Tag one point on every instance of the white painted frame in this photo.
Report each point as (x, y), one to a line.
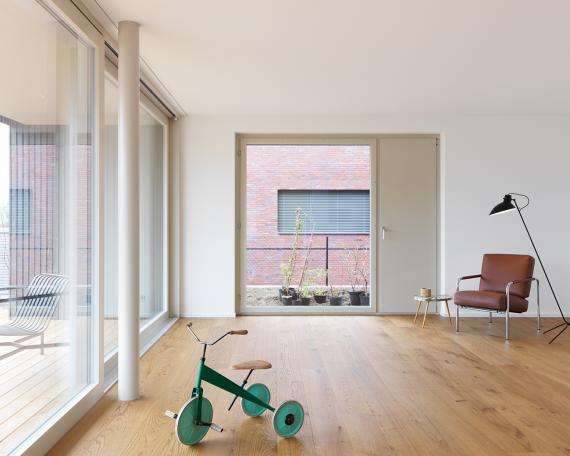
(242, 141)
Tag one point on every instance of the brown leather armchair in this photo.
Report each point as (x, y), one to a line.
(504, 286)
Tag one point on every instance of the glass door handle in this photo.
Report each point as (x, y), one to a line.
(383, 231)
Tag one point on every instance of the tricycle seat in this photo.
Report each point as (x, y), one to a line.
(251, 365)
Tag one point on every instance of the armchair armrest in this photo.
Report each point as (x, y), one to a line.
(475, 276)
(514, 282)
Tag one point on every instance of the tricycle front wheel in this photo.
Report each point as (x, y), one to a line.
(288, 419)
(187, 431)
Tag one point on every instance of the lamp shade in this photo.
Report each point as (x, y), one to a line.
(504, 206)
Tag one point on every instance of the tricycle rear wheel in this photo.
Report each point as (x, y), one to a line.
(288, 419)
(260, 391)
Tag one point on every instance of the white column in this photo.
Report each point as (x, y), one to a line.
(128, 226)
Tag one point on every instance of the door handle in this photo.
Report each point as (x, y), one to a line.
(383, 231)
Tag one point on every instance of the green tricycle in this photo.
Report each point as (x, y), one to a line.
(195, 417)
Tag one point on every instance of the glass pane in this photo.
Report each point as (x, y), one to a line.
(111, 145)
(46, 218)
(308, 225)
(151, 216)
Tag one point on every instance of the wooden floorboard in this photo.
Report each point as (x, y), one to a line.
(369, 385)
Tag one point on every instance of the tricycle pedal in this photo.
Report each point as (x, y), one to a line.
(216, 427)
(171, 414)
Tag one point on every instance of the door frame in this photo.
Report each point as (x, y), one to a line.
(242, 141)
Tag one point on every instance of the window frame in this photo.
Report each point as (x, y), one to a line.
(244, 140)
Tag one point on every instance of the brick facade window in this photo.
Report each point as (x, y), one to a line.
(20, 210)
(324, 211)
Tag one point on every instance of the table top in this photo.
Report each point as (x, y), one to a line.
(433, 298)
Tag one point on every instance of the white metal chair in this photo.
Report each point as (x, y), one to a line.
(34, 314)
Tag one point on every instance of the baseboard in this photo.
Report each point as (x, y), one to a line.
(209, 315)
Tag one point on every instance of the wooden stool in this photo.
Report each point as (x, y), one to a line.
(428, 300)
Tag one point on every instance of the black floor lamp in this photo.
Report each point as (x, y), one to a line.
(507, 205)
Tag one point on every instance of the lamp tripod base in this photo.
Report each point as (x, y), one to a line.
(565, 324)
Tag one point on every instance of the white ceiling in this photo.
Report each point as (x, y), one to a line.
(302, 57)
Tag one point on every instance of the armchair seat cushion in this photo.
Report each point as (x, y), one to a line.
(491, 300)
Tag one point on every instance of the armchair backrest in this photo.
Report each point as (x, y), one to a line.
(498, 269)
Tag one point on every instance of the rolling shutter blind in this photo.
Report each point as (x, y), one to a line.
(325, 211)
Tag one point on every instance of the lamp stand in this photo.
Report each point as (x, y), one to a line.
(565, 323)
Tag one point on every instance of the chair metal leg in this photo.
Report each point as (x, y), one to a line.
(456, 318)
(507, 317)
(537, 306)
(490, 317)
(42, 341)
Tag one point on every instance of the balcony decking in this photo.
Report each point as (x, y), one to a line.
(33, 386)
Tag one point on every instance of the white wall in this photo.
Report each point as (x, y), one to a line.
(482, 158)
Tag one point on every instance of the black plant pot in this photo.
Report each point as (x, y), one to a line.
(355, 297)
(304, 301)
(287, 300)
(335, 300)
(364, 299)
(292, 293)
(320, 299)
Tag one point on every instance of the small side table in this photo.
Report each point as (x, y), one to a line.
(428, 300)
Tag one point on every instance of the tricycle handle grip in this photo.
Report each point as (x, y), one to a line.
(239, 332)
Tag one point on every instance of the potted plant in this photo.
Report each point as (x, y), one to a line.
(306, 286)
(288, 269)
(320, 295)
(304, 296)
(365, 296)
(319, 291)
(353, 268)
(354, 295)
(287, 300)
(335, 297)
(287, 291)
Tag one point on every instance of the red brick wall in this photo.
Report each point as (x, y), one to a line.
(34, 167)
(287, 167)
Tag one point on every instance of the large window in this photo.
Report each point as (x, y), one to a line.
(111, 146)
(306, 226)
(47, 323)
(152, 155)
(151, 217)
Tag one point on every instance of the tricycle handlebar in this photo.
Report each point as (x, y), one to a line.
(239, 332)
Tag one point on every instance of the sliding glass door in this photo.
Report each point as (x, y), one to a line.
(152, 184)
(47, 156)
